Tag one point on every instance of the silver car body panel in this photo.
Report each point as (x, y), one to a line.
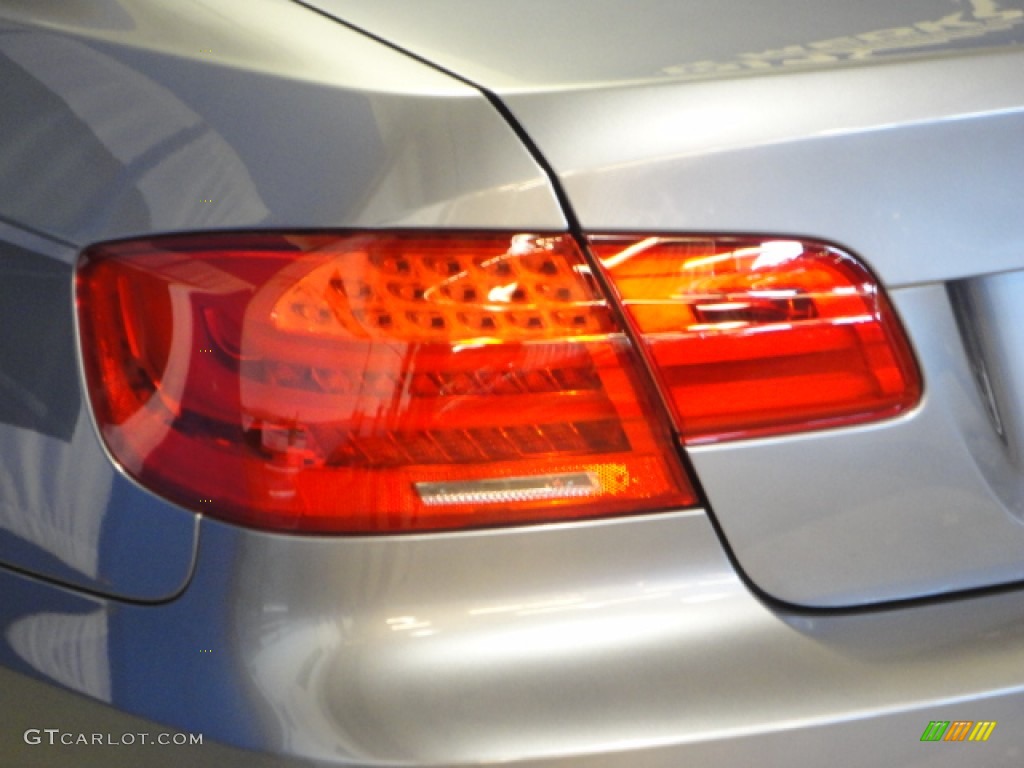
(900, 165)
(627, 642)
(914, 166)
(135, 117)
(909, 157)
(66, 512)
(635, 642)
(128, 118)
(536, 45)
(921, 505)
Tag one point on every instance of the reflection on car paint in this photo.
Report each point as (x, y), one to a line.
(986, 18)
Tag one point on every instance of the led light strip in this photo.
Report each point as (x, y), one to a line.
(568, 485)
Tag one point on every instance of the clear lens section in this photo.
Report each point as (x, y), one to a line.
(371, 382)
(564, 486)
(752, 337)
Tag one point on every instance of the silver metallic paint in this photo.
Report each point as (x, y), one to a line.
(995, 304)
(909, 156)
(616, 643)
(592, 645)
(538, 45)
(916, 167)
(202, 115)
(900, 508)
(129, 118)
(65, 511)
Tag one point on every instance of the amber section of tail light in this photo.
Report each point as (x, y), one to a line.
(751, 337)
(371, 382)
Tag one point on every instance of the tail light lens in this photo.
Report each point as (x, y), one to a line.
(750, 337)
(371, 382)
(391, 382)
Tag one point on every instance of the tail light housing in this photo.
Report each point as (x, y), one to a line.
(412, 381)
(371, 382)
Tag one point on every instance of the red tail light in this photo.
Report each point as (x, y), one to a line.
(752, 337)
(385, 382)
(371, 382)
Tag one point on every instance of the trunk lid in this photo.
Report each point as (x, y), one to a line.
(891, 130)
